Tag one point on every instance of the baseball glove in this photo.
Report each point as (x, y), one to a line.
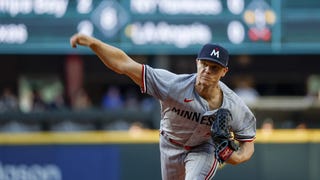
(221, 135)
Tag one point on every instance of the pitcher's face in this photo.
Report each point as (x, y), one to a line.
(209, 72)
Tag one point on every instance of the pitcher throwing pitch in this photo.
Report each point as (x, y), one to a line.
(198, 111)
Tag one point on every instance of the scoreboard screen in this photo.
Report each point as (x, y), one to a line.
(161, 26)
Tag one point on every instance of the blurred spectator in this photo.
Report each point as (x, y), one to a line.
(136, 126)
(81, 100)
(313, 87)
(136, 129)
(267, 125)
(244, 88)
(38, 104)
(132, 100)
(148, 104)
(8, 101)
(151, 105)
(112, 99)
(302, 125)
(58, 103)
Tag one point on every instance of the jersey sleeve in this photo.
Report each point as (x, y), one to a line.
(156, 82)
(245, 126)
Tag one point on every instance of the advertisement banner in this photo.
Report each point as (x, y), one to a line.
(57, 162)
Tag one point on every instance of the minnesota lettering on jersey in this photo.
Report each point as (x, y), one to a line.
(194, 116)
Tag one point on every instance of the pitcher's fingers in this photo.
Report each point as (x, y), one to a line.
(73, 41)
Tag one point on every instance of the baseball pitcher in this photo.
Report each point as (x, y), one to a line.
(203, 122)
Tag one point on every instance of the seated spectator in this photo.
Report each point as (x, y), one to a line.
(58, 103)
(302, 125)
(38, 104)
(267, 124)
(8, 101)
(131, 100)
(244, 88)
(112, 99)
(81, 100)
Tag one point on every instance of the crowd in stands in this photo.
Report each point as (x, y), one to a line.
(113, 99)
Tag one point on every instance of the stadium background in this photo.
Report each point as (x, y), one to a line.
(57, 122)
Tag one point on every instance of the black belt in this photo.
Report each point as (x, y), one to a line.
(175, 142)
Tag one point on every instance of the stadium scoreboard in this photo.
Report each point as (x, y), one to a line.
(161, 26)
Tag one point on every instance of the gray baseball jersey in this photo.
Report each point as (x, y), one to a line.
(185, 116)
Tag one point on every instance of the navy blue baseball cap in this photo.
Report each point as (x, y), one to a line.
(215, 53)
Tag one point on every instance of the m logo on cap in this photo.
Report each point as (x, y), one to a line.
(215, 53)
